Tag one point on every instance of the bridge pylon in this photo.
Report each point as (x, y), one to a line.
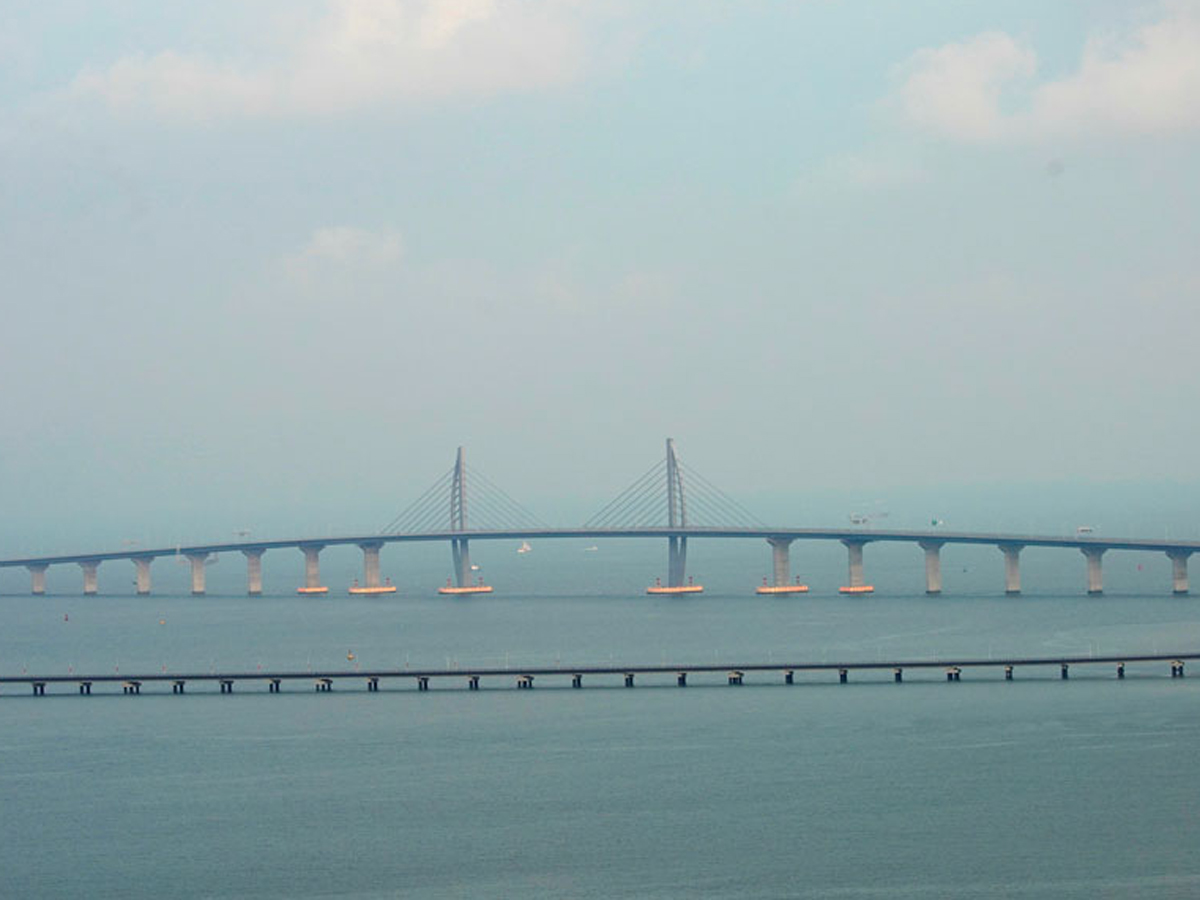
(490, 508)
(459, 547)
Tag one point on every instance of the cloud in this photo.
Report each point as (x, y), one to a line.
(360, 53)
(1146, 82)
(342, 249)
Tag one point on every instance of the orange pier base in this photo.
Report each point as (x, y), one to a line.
(858, 589)
(382, 589)
(781, 589)
(469, 589)
(312, 590)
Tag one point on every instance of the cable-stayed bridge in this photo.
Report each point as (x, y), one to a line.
(670, 502)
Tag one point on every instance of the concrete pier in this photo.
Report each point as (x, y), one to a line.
(460, 551)
(933, 566)
(142, 563)
(37, 575)
(90, 583)
(681, 679)
(253, 572)
(676, 561)
(1179, 570)
(312, 566)
(857, 583)
(198, 561)
(1012, 568)
(780, 562)
(628, 679)
(1095, 573)
(371, 563)
(577, 680)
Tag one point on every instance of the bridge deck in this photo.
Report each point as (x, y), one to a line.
(856, 535)
(561, 670)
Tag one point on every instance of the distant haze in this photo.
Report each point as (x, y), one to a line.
(265, 266)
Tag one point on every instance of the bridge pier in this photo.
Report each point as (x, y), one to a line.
(143, 573)
(473, 682)
(577, 680)
(460, 550)
(1179, 570)
(253, 572)
(780, 562)
(198, 561)
(1012, 568)
(857, 583)
(676, 561)
(37, 575)
(681, 679)
(90, 584)
(1095, 574)
(371, 563)
(933, 566)
(312, 569)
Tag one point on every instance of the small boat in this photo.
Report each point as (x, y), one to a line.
(524, 548)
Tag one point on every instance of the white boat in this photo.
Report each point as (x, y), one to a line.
(524, 548)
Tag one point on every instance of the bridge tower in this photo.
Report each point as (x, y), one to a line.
(676, 518)
(458, 522)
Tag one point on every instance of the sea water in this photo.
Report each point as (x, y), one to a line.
(983, 788)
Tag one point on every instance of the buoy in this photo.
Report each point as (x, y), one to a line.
(162, 621)
(350, 656)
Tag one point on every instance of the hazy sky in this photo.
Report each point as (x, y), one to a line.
(271, 262)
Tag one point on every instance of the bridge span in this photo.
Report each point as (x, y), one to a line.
(670, 502)
(780, 539)
(323, 680)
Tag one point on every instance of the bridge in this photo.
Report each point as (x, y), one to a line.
(669, 502)
(524, 677)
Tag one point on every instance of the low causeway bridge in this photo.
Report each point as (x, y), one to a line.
(656, 506)
(523, 678)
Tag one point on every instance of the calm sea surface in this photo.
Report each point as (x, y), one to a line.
(982, 789)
